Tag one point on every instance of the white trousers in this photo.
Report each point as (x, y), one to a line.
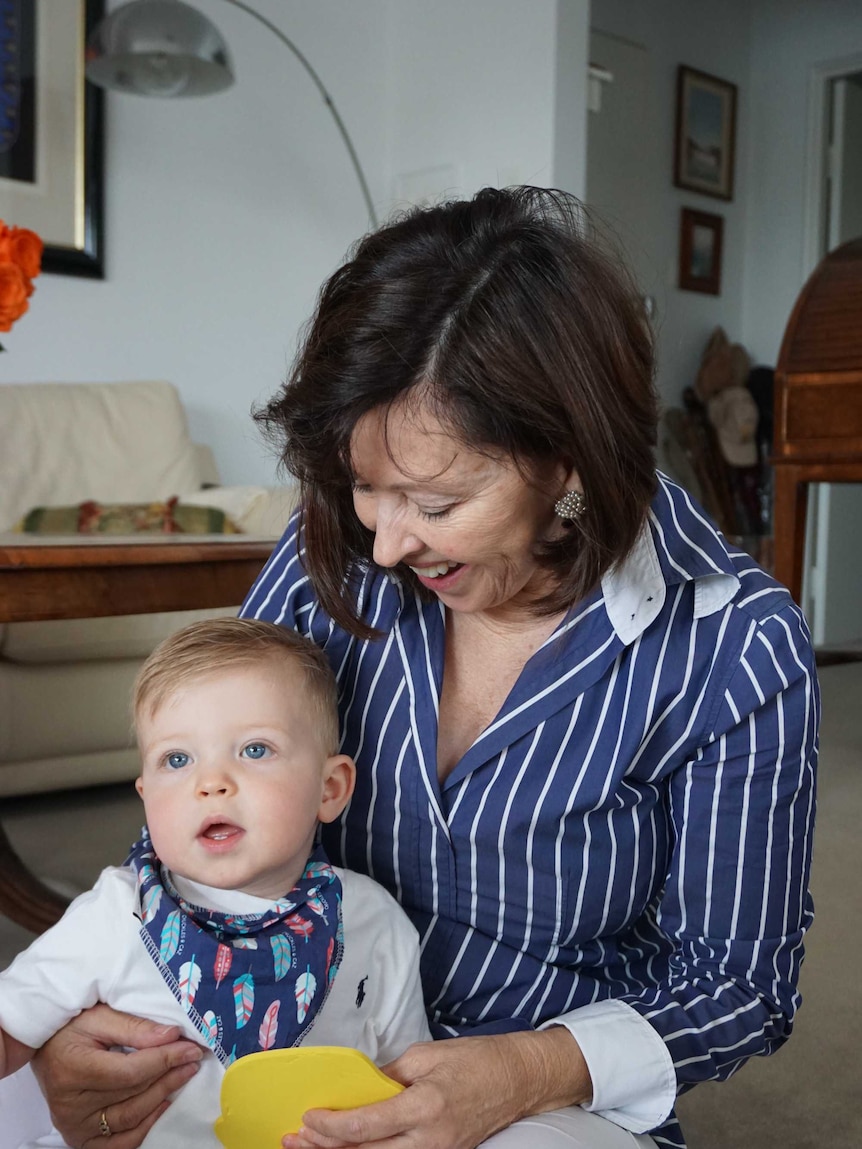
(571, 1128)
(23, 1111)
(24, 1116)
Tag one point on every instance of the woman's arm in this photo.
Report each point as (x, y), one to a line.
(736, 900)
(460, 1092)
(735, 904)
(82, 1076)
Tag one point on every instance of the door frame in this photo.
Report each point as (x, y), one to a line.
(814, 244)
(820, 77)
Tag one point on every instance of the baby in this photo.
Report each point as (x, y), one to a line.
(226, 919)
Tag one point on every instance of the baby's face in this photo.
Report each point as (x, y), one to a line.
(235, 777)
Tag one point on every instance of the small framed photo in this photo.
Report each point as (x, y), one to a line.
(700, 251)
(705, 133)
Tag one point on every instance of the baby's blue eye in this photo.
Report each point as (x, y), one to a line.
(256, 750)
(177, 760)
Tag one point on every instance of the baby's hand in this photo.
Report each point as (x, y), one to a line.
(13, 1054)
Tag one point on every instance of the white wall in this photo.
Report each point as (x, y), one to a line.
(225, 214)
(712, 38)
(570, 113)
(473, 89)
(788, 39)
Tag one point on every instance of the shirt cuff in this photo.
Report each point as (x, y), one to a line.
(634, 1081)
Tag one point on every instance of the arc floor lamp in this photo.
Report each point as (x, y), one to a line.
(167, 48)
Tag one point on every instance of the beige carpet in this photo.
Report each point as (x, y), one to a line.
(807, 1096)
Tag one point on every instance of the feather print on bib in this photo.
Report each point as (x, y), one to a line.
(169, 940)
(330, 965)
(210, 1028)
(299, 925)
(222, 963)
(243, 998)
(306, 984)
(189, 981)
(282, 955)
(231, 972)
(269, 1026)
(318, 905)
(150, 903)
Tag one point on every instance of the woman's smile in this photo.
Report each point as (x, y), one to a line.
(438, 576)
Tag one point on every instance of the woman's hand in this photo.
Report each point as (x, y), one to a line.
(458, 1093)
(83, 1078)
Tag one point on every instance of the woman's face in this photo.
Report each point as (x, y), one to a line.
(466, 524)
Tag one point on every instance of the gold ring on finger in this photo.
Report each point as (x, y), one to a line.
(104, 1127)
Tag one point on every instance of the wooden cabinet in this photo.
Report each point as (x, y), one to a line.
(818, 401)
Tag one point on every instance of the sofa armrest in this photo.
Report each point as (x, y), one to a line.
(259, 511)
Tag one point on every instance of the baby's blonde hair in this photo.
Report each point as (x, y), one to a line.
(215, 644)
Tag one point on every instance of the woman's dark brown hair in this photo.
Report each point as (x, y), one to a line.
(527, 339)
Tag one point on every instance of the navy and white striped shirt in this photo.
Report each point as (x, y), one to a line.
(635, 825)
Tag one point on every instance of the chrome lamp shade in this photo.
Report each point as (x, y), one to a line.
(159, 48)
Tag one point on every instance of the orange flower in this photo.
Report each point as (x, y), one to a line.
(13, 294)
(25, 249)
(20, 263)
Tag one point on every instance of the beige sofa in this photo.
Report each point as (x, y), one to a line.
(64, 685)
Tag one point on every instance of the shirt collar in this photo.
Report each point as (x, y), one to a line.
(224, 901)
(677, 544)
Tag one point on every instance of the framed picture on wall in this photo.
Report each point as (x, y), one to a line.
(705, 133)
(700, 251)
(51, 131)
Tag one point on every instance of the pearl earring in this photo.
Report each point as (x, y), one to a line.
(571, 506)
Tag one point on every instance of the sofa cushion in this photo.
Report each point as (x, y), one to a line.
(66, 771)
(63, 443)
(89, 639)
(159, 518)
(49, 710)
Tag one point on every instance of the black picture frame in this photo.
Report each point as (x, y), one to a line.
(76, 248)
(700, 242)
(705, 139)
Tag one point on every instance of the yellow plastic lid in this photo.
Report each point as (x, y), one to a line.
(264, 1095)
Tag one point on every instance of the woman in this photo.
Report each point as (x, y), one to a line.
(585, 731)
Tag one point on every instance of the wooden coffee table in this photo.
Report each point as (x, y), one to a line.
(95, 577)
